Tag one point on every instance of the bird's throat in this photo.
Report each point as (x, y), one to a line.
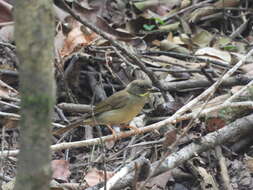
(144, 94)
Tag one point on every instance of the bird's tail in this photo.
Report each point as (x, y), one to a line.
(73, 125)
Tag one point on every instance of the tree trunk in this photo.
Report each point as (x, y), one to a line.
(34, 36)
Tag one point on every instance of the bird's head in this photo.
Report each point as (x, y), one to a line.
(140, 87)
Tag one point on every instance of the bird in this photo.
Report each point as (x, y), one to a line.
(119, 108)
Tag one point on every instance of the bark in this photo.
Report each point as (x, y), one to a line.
(34, 35)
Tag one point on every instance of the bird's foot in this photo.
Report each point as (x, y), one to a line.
(136, 129)
(113, 132)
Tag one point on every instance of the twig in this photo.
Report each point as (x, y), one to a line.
(122, 135)
(235, 130)
(16, 116)
(124, 171)
(13, 90)
(5, 114)
(117, 45)
(207, 93)
(70, 107)
(205, 112)
(240, 29)
(6, 23)
(239, 92)
(202, 175)
(61, 114)
(124, 59)
(9, 104)
(181, 70)
(223, 168)
(187, 9)
(188, 84)
(186, 56)
(149, 128)
(8, 44)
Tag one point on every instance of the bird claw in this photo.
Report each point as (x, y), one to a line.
(135, 129)
(113, 133)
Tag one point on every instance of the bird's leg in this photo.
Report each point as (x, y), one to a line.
(136, 129)
(113, 132)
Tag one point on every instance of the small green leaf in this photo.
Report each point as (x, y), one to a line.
(230, 48)
(159, 21)
(148, 27)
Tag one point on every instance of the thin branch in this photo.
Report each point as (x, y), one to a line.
(240, 92)
(116, 44)
(235, 130)
(207, 93)
(194, 6)
(148, 128)
(122, 135)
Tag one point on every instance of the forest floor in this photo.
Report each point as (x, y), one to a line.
(194, 133)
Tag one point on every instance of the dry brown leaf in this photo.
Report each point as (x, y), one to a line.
(95, 176)
(249, 163)
(167, 45)
(5, 11)
(89, 14)
(202, 39)
(95, 16)
(76, 39)
(208, 10)
(159, 182)
(60, 169)
(170, 137)
(201, 12)
(10, 123)
(117, 34)
(248, 69)
(212, 53)
(213, 124)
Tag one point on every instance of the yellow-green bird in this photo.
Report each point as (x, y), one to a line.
(119, 108)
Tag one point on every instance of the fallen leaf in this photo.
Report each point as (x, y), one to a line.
(170, 46)
(160, 181)
(202, 39)
(249, 163)
(170, 137)
(76, 39)
(213, 124)
(213, 53)
(95, 176)
(5, 12)
(60, 169)
(248, 69)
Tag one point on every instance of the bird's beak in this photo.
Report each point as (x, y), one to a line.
(154, 89)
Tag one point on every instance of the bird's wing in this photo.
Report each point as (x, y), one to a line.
(116, 101)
